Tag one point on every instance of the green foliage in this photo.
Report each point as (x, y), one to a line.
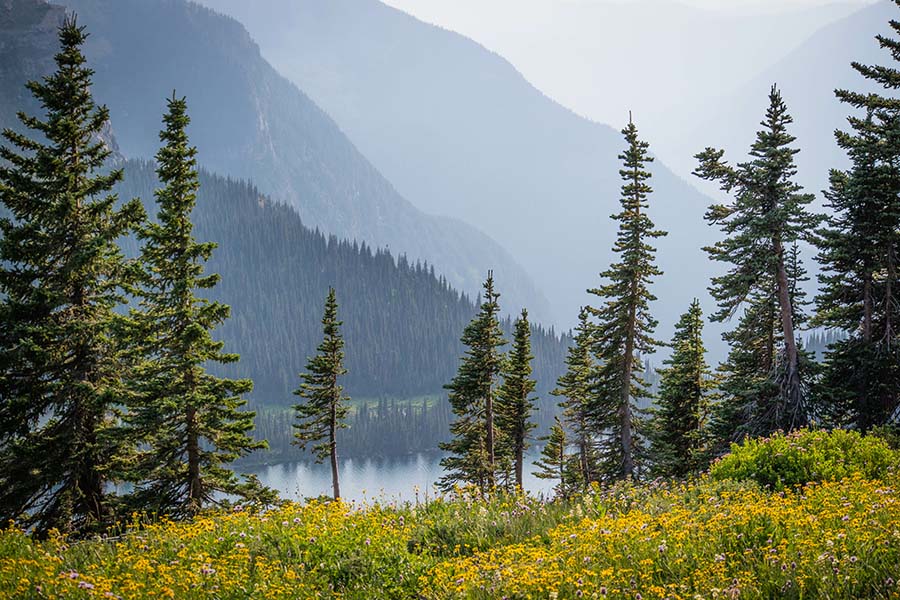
(786, 460)
(325, 406)
(625, 326)
(859, 251)
(859, 384)
(557, 463)
(579, 400)
(472, 394)
(402, 321)
(515, 403)
(767, 217)
(61, 277)
(188, 423)
(678, 428)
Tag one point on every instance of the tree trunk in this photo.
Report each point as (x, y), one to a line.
(792, 387)
(583, 452)
(770, 342)
(520, 457)
(489, 437)
(626, 434)
(332, 438)
(889, 299)
(562, 470)
(195, 483)
(867, 309)
(89, 483)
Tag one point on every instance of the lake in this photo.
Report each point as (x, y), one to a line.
(372, 478)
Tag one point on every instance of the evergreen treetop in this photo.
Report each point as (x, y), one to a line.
(767, 216)
(678, 428)
(325, 407)
(624, 328)
(515, 402)
(472, 394)
(556, 462)
(188, 422)
(575, 387)
(61, 276)
(768, 213)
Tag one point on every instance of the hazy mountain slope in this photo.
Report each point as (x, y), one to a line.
(249, 122)
(401, 323)
(27, 43)
(660, 58)
(461, 133)
(807, 78)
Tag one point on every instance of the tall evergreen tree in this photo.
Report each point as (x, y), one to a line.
(556, 462)
(768, 215)
(579, 400)
(60, 279)
(472, 394)
(859, 250)
(625, 328)
(188, 422)
(678, 427)
(515, 403)
(746, 378)
(325, 408)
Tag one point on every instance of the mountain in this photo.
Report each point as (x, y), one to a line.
(461, 133)
(251, 123)
(807, 77)
(27, 44)
(401, 322)
(662, 59)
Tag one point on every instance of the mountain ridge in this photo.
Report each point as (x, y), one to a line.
(250, 122)
(461, 132)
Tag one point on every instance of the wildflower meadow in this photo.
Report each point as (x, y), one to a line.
(713, 537)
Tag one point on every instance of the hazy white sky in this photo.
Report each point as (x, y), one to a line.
(433, 10)
(692, 50)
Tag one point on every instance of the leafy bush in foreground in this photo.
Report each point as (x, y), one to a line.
(786, 460)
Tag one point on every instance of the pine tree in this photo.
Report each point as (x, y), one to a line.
(579, 401)
(556, 463)
(515, 403)
(625, 328)
(188, 422)
(61, 276)
(859, 249)
(768, 215)
(472, 393)
(678, 427)
(325, 408)
(747, 381)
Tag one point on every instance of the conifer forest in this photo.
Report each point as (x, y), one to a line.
(257, 259)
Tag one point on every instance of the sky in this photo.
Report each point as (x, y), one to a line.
(668, 61)
(435, 11)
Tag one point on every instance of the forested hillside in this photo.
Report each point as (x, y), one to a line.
(401, 322)
(251, 123)
(460, 132)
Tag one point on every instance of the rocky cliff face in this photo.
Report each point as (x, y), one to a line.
(27, 45)
(249, 122)
(28, 42)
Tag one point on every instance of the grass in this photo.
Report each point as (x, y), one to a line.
(682, 540)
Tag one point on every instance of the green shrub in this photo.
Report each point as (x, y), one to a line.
(783, 461)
